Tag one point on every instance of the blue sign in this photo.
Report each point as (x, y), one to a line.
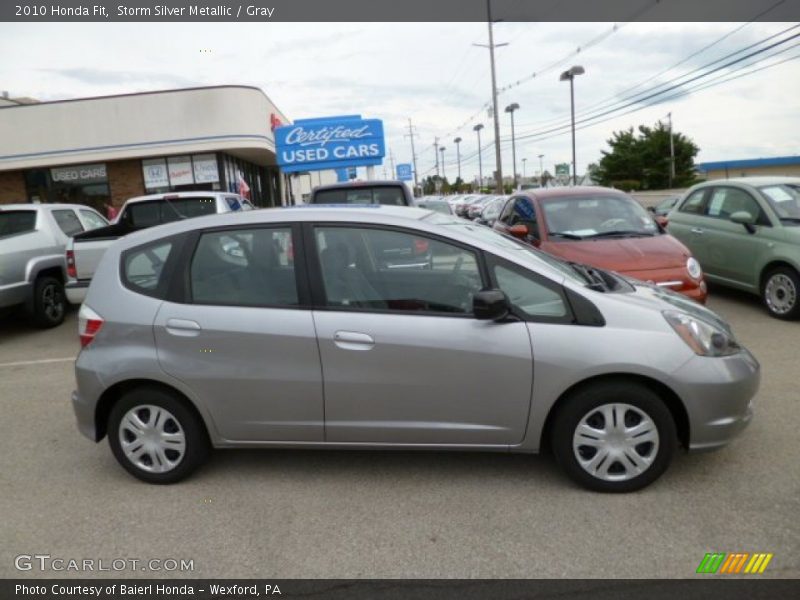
(342, 176)
(329, 143)
(404, 172)
(352, 172)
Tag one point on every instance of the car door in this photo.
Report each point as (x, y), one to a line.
(732, 252)
(686, 223)
(403, 359)
(242, 337)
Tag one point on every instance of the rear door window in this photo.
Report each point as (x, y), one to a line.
(17, 221)
(143, 268)
(68, 222)
(93, 220)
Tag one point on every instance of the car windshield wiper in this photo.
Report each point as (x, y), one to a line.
(565, 235)
(593, 278)
(621, 232)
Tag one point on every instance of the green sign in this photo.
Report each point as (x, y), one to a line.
(562, 169)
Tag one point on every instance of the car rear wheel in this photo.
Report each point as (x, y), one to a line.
(155, 437)
(614, 436)
(780, 293)
(49, 303)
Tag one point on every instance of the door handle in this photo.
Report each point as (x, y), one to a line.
(183, 327)
(698, 231)
(352, 340)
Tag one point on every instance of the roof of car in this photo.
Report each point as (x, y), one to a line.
(755, 181)
(577, 190)
(178, 196)
(44, 206)
(352, 184)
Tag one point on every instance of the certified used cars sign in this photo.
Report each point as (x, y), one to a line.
(329, 143)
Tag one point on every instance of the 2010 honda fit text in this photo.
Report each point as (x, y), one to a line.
(315, 328)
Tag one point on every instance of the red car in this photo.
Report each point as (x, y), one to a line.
(604, 228)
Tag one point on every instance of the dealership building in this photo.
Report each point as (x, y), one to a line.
(104, 150)
(750, 167)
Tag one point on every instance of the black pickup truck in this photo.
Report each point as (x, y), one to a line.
(393, 193)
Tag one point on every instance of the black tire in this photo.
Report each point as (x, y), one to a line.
(580, 405)
(780, 293)
(49, 303)
(197, 446)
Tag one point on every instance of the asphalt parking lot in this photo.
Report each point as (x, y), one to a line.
(393, 514)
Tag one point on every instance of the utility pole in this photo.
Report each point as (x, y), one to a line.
(671, 153)
(391, 164)
(436, 147)
(444, 175)
(492, 46)
(413, 153)
(457, 142)
(477, 129)
(541, 170)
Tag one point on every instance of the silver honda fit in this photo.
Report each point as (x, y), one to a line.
(380, 327)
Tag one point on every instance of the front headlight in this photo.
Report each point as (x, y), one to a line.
(694, 268)
(702, 337)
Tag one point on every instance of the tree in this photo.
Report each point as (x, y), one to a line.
(643, 161)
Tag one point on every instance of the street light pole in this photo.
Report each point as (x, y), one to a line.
(524, 160)
(442, 149)
(569, 75)
(478, 128)
(436, 154)
(457, 141)
(541, 171)
(510, 109)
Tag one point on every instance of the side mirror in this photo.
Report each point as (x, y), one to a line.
(519, 231)
(490, 305)
(742, 217)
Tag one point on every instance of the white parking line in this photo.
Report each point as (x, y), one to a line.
(43, 361)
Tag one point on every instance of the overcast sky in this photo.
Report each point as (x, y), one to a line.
(432, 74)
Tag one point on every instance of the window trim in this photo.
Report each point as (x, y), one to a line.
(314, 268)
(180, 291)
(568, 318)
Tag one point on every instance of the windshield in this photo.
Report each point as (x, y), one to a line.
(362, 195)
(437, 206)
(784, 199)
(578, 217)
(527, 254)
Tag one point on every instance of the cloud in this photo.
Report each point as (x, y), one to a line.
(104, 77)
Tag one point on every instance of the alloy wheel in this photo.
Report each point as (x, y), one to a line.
(52, 302)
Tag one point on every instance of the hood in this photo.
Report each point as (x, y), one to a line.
(649, 295)
(623, 255)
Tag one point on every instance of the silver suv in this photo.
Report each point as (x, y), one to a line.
(295, 328)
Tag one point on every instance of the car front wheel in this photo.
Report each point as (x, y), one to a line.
(155, 437)
(614, 436)
(780, 293)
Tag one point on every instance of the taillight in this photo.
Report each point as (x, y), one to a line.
(89, 323)
(420, 246)
(71, 270)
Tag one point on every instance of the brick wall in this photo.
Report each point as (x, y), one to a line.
(126, 180)
(12, 187)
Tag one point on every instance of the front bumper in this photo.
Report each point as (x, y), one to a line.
(675, 279)
(718, 395)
